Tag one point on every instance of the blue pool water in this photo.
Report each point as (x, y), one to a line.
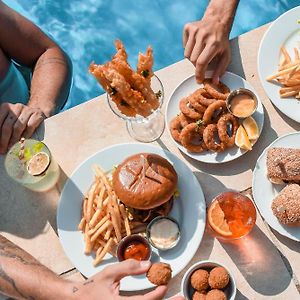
(86, 29)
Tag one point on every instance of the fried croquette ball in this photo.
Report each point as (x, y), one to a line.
(218, 278)
(199, 280)
(159, 273)
(216, 295)
(199, 295)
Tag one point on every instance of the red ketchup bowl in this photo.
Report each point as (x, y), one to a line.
(134, 246)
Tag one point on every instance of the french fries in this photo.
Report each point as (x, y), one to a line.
(288, 74)
(104, 219)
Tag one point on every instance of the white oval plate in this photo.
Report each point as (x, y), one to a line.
(189, 209)
(264, 191)
(284, 31)
(187, 87)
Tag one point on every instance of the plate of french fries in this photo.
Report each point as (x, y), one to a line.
(279, 63)
(91, 220)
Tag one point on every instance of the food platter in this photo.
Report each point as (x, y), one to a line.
(283, 32)
(189, 210)
(188, 86)
(264, 191)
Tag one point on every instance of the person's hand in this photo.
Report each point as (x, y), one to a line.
(16, 121)
(204, 41)
(106, 284)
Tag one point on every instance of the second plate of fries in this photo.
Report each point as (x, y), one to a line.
(279, 63)
(92, 220)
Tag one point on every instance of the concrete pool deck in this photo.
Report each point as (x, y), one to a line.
(265, 264)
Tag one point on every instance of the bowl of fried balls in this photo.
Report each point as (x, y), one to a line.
(207, 280)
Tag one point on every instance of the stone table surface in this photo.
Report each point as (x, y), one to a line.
(265, 264)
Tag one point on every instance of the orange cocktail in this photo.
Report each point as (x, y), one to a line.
(231, 215)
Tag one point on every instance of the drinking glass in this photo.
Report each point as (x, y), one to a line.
(236, 211)
(16, 165)
(144, 129)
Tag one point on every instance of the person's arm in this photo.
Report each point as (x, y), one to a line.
(23, 277)
(208, 39)
(26, 44)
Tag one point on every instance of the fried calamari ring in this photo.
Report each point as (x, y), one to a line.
(213, 111)
(227, 128)
(192, 138)
(187, 109)
(205, 98)
(184, 120)
(176, 128)
(194, 100)
(210, 134)
(218, 91)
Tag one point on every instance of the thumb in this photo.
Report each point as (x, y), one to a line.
(125, 268)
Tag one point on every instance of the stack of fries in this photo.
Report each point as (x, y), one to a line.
(104, 219)
(288, 74)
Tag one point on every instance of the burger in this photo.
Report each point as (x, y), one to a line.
(145, 183)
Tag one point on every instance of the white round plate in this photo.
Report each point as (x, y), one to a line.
(284, 31)
(189, 209)
(187, 87)
(264, 191)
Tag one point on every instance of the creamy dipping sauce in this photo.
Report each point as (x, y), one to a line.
(164, 233)
(242, 105)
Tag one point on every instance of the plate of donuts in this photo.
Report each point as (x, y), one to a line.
(199, 122)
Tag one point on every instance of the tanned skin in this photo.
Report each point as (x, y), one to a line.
(26, 44)
(23, 277)
(208, 38)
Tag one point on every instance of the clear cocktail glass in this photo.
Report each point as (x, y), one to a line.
(144, 129)
(30, 163)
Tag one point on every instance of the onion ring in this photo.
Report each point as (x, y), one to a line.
(192, 138)
(188, 110)
(209, 135)
(219, 91)
(222, 125)
(176, 128)
(213, 111)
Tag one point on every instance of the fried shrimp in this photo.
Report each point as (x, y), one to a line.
(145, 64)
(227, 128)
(137, 82)
(187, 109)
(97, 71)
(213, 111)
(192, 138)
(121, 52)
(211, 138)
(132, 97)
(219, 91)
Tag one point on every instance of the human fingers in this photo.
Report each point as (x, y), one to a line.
(221, 67)
(203, 60)
(198, 48)
(190, 42)
(36, 118)
(125, 268)
(20, 125)
(156, 294)
(4, 109)
(177, 298)
(7, 127)
(185, 35)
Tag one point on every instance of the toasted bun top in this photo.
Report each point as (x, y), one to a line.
(144, 181)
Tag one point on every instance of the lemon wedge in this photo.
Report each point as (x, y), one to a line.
(242, 140)
(38, 164)
(251, 128)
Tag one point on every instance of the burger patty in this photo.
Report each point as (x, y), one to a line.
(148, 215)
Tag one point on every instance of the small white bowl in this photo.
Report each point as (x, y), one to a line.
(187, 290)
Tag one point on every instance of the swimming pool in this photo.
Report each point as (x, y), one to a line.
(86, 29)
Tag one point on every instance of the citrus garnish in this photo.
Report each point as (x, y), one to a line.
(242, 140)
(38, 164)
(217, 221)
(251, 128)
